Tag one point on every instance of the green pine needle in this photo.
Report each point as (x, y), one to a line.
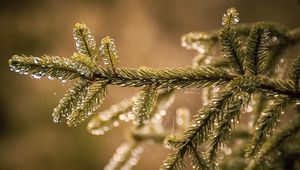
(224, 128)
(271, 148)
(94, 96)
(198, 159)
(109, 53)
(232, 49)
(257, 49)
(266, 123)
(198, 132)
(144, 105)
(85, 42)
(52, 67)
(166, 78)
(71, 99)
(295, 73)
(174, 161)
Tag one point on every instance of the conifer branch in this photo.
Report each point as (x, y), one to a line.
(144, 105)
(164, 100)
(266, 123)
(222, 132)
(152, 136)
(230, 17)
(172, 142)
(174, 161)
(71, 99)
(166, 78)
(265, 43)
(199, 131)
(107, 119)
(94, 96)
(198, 159)
(109, 53)
(126, 156)
(260, 105)
(80, 66)
(53, 67)
(294, 35)
(286, 38)
(295, 74)
(111, 117)
(231, 48)
(182, 118)
(272, 146)
(85, 42)
(277, 87)
(257, 51)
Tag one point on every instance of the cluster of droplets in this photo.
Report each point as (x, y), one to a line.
(230, 17)
(249, 109)
(195, 40)
(106, 120)
(102, 127)
(144, 106)
(280, 67)
(226, 150)
(126, 156)
(85, 42)
(214, 91)
(67, 103)
(182, 118)
(108, 51)
(54, 67)
(171, 142)
(205, 96)
(82, 64)
(58, 115)
(18, 65)
(162, 107)
(23, 65)
(137, 109)
(90, 103)
(82, 69)
(208, 93)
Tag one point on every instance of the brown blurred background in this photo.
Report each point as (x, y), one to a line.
(146, 32)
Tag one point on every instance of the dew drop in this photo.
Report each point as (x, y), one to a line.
(249, 109)
(230, 17)
(250, 124)
(116, 123)
(274, 38)
(281, 60)
(36, 76)
(227, 151)
(50, 78)
(36, 60)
